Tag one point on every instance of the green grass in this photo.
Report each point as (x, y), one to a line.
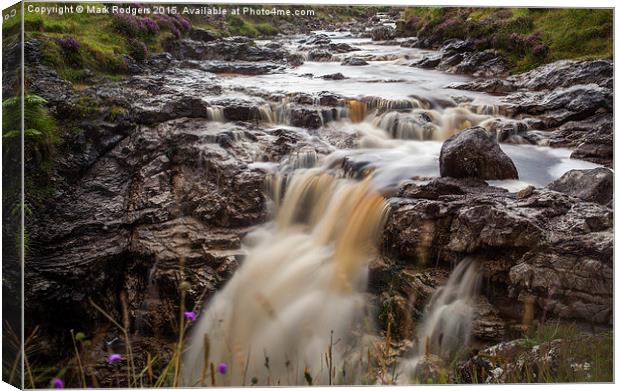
(567, 33)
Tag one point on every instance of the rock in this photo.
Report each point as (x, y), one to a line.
(595, 185)
(555, 248)
(493, 86)
(341, 47)
(317, 39)
(334, 76)
(473, 153)
(236, 67)
(203, 35)
(565, 73)
(456, 46)
(295, 59)
(319, 55)
(488, 63)
(429, 62)
(354, 61)
(225, 49)
(383, 33)
(562, 104)
(306, 118)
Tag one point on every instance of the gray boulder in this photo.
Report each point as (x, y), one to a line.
(474, 153)
(382, 33)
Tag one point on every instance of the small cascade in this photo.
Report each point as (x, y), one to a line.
(296, 305)
(356, 110)
(384, 104)
(215, 113)
(415, 126)
(151, 299)
(446, 327)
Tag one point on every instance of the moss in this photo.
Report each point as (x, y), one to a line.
(238, 26)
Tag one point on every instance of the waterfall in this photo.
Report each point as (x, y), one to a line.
(215, 113)
(356, 110)
(292, 309)
(446, 327)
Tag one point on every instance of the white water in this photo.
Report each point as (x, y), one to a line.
(446, 326)
(299, 293)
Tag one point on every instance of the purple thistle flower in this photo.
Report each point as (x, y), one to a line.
(115, 357)
(222, 367)
(58, 383)
(191, 315)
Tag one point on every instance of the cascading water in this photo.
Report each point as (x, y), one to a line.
(292, 309)
(446, 327)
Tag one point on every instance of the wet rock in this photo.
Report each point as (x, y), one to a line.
(295, 59)
(341, 48)
(241, 68)
(594, 185)
(429, 62)
(473, 153)
(46, 83)
(203, 35)
(563, 104)
(555, 248)
(334, 76)
(354, 61)
(488, 63)
(494, 86)
(319, 55)
(225, 49)
(383, 33)
(317, 39)
(306, 118)
(456, 46)
(565, 73)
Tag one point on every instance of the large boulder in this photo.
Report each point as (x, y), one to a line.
(383, 33)
(596, 185)
(319, 55)
(474, 153)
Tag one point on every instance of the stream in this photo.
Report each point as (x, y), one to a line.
(295, 312)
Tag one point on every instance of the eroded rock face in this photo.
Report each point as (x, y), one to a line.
(540, 247)
(594, 185)
(473, 153)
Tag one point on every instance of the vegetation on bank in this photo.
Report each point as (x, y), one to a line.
(528, 37)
